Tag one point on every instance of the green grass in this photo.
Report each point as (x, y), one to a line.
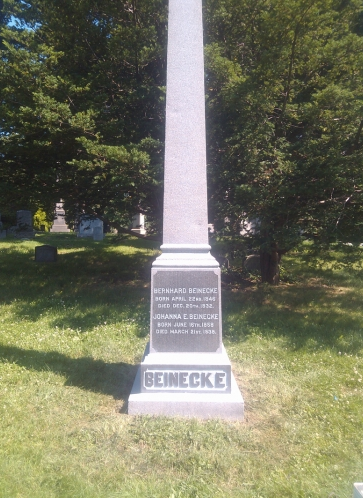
(72, 333)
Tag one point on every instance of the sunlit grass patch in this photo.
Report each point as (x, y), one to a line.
(73, 332)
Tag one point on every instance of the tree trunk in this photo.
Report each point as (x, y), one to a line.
(270, 266)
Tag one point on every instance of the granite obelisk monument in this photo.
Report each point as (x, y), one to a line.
(185, 370)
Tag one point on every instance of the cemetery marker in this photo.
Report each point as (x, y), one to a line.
(185, 370)
(59, 224)
(46, 254)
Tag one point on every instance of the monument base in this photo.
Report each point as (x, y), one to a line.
(200, 389)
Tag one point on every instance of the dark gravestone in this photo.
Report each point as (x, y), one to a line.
(24, 220)
(46, 254)
(23, 228)
(2, 232)
(252, 263)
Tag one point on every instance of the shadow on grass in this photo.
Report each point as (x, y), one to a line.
(113, 379)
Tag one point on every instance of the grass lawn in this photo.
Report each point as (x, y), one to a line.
(73, 332)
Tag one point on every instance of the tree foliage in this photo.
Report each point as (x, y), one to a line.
(285, 118)
(82, 87)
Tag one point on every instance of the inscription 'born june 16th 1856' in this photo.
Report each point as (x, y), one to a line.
(185, 311)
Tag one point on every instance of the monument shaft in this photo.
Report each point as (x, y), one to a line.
(185, 218)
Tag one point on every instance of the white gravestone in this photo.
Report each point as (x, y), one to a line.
(87, 225)
(185, 370)
(358, 490)
(138, 224)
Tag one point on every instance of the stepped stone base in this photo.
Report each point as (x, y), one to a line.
(198, 394)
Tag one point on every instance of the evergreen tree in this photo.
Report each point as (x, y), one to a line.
(284, 83)
(82, 86)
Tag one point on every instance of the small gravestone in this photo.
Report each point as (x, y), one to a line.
(97, 233)
(46, 254)
(138, 224)
(87, 224)
(358, 490)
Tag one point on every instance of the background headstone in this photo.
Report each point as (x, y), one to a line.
(252, 263)
(97, 233)
(59, 224)
(87, 224)
(46, 254)
(138, 224)
(358, 490)
(24, 219)
(24, 225)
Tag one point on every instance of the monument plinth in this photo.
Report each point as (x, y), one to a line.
(185, 370)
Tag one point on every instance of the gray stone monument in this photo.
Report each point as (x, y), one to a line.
(358, 490)
(185, 370)
(24, 225)
(59, 224)
(46, 254)
(24, 219)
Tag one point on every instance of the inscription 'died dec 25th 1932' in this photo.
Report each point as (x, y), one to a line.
(185, 311)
